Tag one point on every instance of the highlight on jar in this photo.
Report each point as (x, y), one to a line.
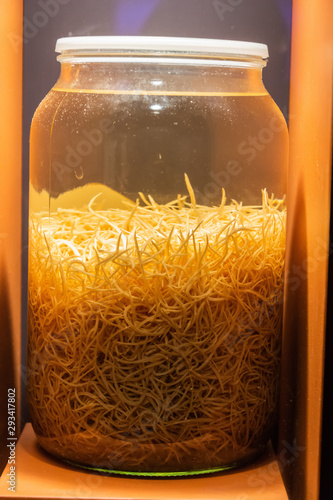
(156, 256)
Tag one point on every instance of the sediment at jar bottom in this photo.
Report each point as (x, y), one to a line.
(96, 451)
(155, 332)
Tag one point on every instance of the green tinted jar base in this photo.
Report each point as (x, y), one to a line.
(145, 461)
(172, 474)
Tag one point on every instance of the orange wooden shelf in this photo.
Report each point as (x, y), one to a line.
(40, 476)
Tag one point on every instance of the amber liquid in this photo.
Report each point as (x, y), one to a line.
(116, 145)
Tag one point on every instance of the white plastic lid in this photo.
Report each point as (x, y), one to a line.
(162, 44)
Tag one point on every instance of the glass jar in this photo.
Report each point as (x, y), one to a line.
(157, 244)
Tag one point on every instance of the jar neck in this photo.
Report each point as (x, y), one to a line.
(161, 75)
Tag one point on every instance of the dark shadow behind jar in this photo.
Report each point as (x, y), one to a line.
(157, 238)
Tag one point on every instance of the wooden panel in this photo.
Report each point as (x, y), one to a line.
(307, 252)
(11, 25)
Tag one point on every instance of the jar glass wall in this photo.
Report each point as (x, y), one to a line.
(157, 240)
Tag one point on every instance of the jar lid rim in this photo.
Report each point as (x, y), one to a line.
(162, 44)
